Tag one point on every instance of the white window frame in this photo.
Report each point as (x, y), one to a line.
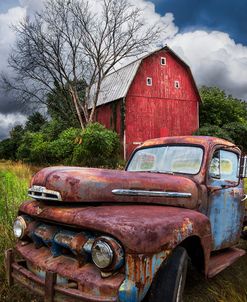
(163, 61)
(149, 81)
(177, 84)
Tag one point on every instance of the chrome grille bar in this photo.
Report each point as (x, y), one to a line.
(127, 192)
(41, 193)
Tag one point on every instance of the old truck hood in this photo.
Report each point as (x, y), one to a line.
(142, 229)
(87, 185)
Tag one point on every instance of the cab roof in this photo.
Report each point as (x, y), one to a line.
(205, 141)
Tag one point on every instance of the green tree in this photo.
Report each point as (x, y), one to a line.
(35, 122)
(213, 130)
(220, 109)
(223, 116)
(7, 149)
(238, 133)
(34, 149)
(60, 105)
(52, 129)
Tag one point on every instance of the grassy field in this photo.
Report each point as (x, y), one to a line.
(229, 286)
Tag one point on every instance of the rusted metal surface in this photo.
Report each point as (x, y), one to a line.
(142, 229)
(90, 284)
(50, 281)
(139, 273)
(9, 259)
(59, 239)
(220, 261)
(96, 185)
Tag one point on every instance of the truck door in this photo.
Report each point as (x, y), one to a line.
(225, 208)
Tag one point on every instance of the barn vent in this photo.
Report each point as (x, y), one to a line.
(149, 81)
(162, 61)
(176, 84)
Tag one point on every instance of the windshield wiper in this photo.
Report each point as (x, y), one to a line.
(160, 172)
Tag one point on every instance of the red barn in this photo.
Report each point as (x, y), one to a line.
(151, 97)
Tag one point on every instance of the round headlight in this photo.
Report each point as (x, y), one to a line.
(19, 227)
(102, 254)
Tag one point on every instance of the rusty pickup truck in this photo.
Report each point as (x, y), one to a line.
(101, 235)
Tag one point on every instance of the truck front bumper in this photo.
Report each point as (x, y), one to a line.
(60, 278)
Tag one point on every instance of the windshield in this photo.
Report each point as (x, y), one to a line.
(167, 159)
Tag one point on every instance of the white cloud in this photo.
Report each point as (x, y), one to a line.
(31, 6)
(8, 121)
(7, 36)
(165, 22)
(215, 60)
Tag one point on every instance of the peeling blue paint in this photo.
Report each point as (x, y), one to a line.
(226, 216)
(139, 271)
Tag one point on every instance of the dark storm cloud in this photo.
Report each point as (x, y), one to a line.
(8, 104)
(224, 15)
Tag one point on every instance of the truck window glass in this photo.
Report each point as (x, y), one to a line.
(174, 159)
(228, 165)
(224, 166)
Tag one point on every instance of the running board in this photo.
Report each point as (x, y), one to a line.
(218, 262)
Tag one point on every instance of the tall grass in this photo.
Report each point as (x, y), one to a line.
(14, 180)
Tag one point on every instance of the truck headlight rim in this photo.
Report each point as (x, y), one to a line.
(102, 253)
(19, 227)
(115, 254)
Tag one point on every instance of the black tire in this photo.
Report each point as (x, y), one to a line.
(168, 284)
(244, 232)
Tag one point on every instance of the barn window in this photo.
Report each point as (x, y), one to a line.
(176, 84)
(162, 61)
(149, 81)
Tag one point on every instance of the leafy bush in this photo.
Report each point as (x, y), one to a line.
(52, 129)
(34, 149)
(97, 147)
(234, 132)
(212, 130)
(62, 148)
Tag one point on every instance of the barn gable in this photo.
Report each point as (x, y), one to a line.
(116, 85)
(152, 97)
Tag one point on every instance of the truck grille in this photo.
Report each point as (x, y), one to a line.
(41, 193)
(58, 240)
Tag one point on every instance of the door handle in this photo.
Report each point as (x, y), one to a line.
(244, 198)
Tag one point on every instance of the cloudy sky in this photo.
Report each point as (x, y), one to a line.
(211, 36)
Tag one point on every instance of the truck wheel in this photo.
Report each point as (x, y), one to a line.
(169, 282)
(244, 233)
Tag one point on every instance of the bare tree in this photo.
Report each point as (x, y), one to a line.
(69, 41)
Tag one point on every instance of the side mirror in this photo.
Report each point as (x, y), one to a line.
(243, 167)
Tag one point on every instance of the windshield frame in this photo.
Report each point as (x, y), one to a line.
(168, 145)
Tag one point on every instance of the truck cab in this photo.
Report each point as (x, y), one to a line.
(109, 235)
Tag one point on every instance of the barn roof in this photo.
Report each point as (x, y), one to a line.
(116, 84)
